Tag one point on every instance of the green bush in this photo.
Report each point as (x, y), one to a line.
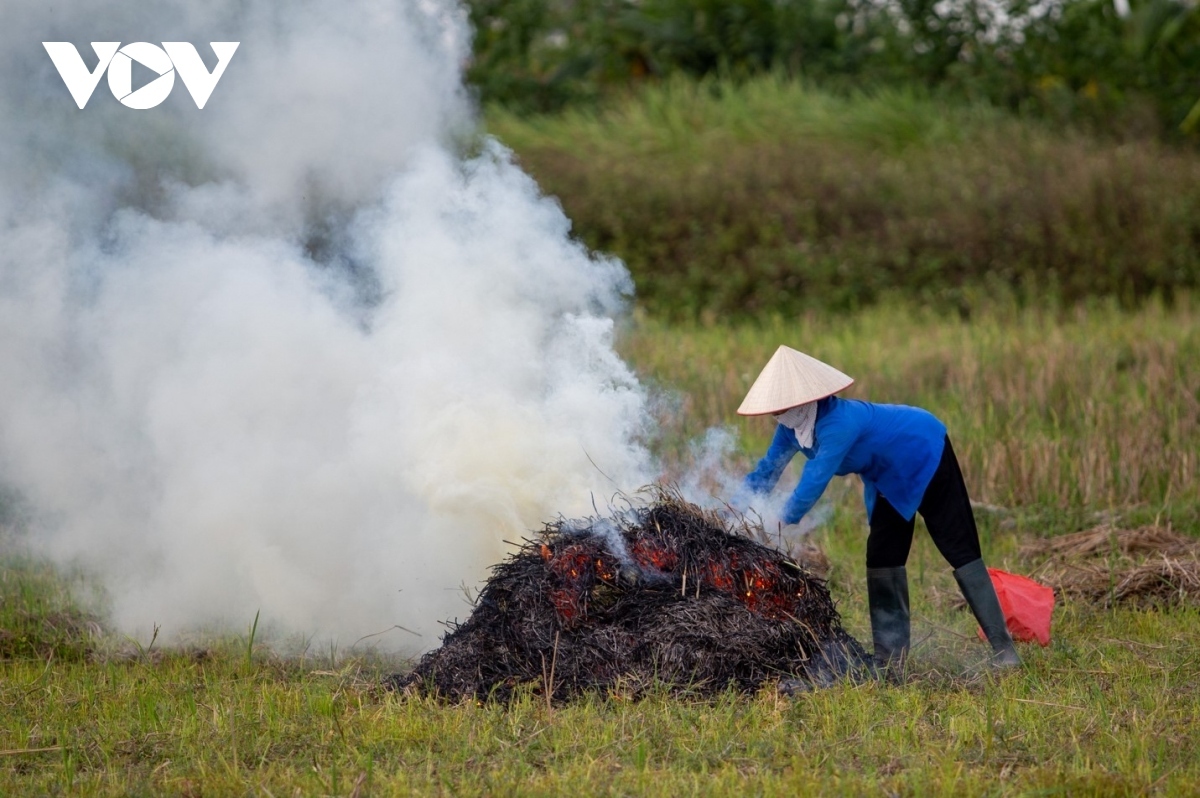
(767, 197)
(1076, 61)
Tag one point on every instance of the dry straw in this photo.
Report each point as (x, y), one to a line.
(1151, 564)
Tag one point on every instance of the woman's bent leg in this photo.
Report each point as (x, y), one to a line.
(946, 509)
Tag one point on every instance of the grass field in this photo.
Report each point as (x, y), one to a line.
(736, 200)
(1062, 420)
(1089, 409)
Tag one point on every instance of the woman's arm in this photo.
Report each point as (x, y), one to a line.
(833, 441)
(763, 478)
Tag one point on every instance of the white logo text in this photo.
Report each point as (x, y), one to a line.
(164, 61)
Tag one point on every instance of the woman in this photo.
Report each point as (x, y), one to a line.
(907, 466)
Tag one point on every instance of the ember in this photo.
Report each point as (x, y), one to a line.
(688, 602)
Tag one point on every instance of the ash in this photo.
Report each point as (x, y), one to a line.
(682, 599)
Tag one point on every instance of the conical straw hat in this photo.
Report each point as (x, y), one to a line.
(791, 378)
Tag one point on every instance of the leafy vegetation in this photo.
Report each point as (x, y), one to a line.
(1127, 68)
(732, 200)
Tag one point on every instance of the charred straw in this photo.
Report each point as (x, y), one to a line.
(667, 594)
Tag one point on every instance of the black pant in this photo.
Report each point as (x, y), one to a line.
(946, 509)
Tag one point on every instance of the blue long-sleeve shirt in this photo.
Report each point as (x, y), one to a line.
(894, 448)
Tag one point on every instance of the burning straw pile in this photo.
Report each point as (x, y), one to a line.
(667, 594)
(1149, 565)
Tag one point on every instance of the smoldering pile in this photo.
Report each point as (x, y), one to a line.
(666, 594)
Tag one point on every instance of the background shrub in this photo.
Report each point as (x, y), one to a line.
(767, 197)
(1067, 60)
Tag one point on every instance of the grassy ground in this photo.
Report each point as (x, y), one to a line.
(1061, 418)
(1086, 410)
(1109, 710)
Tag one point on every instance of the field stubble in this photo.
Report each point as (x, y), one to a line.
(1108, 709)
(1061, 420)
(1090, 410)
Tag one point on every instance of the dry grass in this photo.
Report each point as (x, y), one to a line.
(1106, 565)
(1105, 540)
(1158, 580)
(1091, 409)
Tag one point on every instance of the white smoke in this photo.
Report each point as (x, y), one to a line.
(293, 353)
(709, 482)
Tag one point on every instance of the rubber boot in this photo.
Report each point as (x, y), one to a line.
(980, 593)
(887, 598)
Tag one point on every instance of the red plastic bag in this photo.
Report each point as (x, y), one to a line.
(1027, 606)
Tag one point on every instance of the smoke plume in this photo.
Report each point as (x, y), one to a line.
(314, 350)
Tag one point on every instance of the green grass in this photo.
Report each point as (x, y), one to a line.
(1100, 397)
(39, 616)
(1108, 709)
(734, 200)
(681, 119)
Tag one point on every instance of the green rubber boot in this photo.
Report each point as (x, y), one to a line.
(980, 593)
(887, 598)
